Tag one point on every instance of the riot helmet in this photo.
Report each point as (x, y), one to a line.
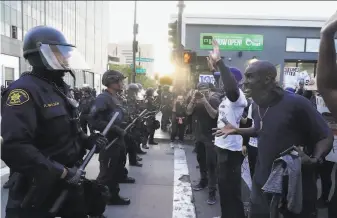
(133, 87)
(166, 88)
(139, 86)
(113, 77)
(149, 92)
(47, 47)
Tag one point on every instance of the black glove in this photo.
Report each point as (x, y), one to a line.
(74, 176)
(121, 132)
(99, 140)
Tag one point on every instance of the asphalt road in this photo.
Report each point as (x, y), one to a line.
(155, 188)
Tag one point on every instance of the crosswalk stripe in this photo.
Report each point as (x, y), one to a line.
(182, 191)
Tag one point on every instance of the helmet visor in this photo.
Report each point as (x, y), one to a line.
(61, 57)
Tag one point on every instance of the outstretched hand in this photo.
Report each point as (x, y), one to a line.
(225, 131)
(214, 55)
(330, 27)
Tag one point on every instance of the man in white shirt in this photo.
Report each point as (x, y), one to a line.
(229, 150)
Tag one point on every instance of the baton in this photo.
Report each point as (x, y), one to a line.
(56, 206)
(126, 128)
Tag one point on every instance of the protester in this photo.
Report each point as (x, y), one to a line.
(327, 81)
(178, 120)
(229, 150)
(203, 106)
(281, 120)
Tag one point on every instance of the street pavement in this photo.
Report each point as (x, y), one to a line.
(162, 188)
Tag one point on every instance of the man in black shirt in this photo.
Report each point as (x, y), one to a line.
(281, 120)
(204, 106)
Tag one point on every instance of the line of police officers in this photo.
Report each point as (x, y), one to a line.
(44, 144)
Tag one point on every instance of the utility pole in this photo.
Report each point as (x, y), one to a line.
(134, 43)
(181, 7)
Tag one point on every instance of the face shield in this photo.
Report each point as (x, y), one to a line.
(62, 57)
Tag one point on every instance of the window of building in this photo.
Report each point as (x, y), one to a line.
(7, 15)
(9, 73)
(295, 44)
(14, 32)
(312, 45)
(14, 17)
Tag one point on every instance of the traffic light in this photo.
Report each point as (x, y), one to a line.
(173, 28)
(189, 57)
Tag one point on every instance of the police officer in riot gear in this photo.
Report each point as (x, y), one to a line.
(43, 143)
(85, 104)
(166, 106)
(112, 160)
(151, 122)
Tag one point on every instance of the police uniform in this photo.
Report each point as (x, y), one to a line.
(43, 144)
(85, 105)
(131, 146)
(151, 122)
(166, 107)
(112, 161)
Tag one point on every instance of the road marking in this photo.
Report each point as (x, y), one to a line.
(183, 206)
(4, 171)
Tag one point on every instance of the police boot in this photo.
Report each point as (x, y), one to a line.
(145, 146)
(119, 201)
(136, 164)
(139, 158)
(128, 180)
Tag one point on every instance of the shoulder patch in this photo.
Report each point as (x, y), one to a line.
(17, 97)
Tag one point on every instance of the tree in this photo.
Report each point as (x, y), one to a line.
(127, 72)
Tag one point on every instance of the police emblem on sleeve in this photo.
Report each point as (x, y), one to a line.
(17, 97)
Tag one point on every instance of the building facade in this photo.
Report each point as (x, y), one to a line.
(286, 42)
(123, 53)
(84, 24)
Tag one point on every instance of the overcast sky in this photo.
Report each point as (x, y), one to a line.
(153, 16)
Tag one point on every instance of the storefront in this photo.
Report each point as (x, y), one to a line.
(285, 42)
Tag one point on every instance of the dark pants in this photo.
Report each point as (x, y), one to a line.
(201, 158)
(206, 156)
(229, 183)
(177, 130)
(165, 118)
(260, 202)
(73, 206)
(110, 163)
(252, 156)
(131, 147)
(324, 171)
(122, 172)
(332, 208)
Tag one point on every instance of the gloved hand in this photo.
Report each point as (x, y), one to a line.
(99, 140)
(121, 132)
(74, 176)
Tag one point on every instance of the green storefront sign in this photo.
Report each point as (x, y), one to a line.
(232, 42)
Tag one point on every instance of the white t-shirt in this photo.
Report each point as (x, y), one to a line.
(231, 112)
(252, 140)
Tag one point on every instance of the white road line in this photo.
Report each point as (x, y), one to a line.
(4, 171)
(183, 206)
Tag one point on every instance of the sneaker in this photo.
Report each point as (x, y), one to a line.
(200, 186)
(211, 198)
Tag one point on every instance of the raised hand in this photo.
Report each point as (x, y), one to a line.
(330, 27)
(214, 55)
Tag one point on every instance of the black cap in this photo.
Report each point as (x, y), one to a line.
(202, 85)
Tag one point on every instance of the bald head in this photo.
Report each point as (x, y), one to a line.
(262, 69)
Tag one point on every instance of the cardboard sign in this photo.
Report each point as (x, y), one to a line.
(206, 78)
